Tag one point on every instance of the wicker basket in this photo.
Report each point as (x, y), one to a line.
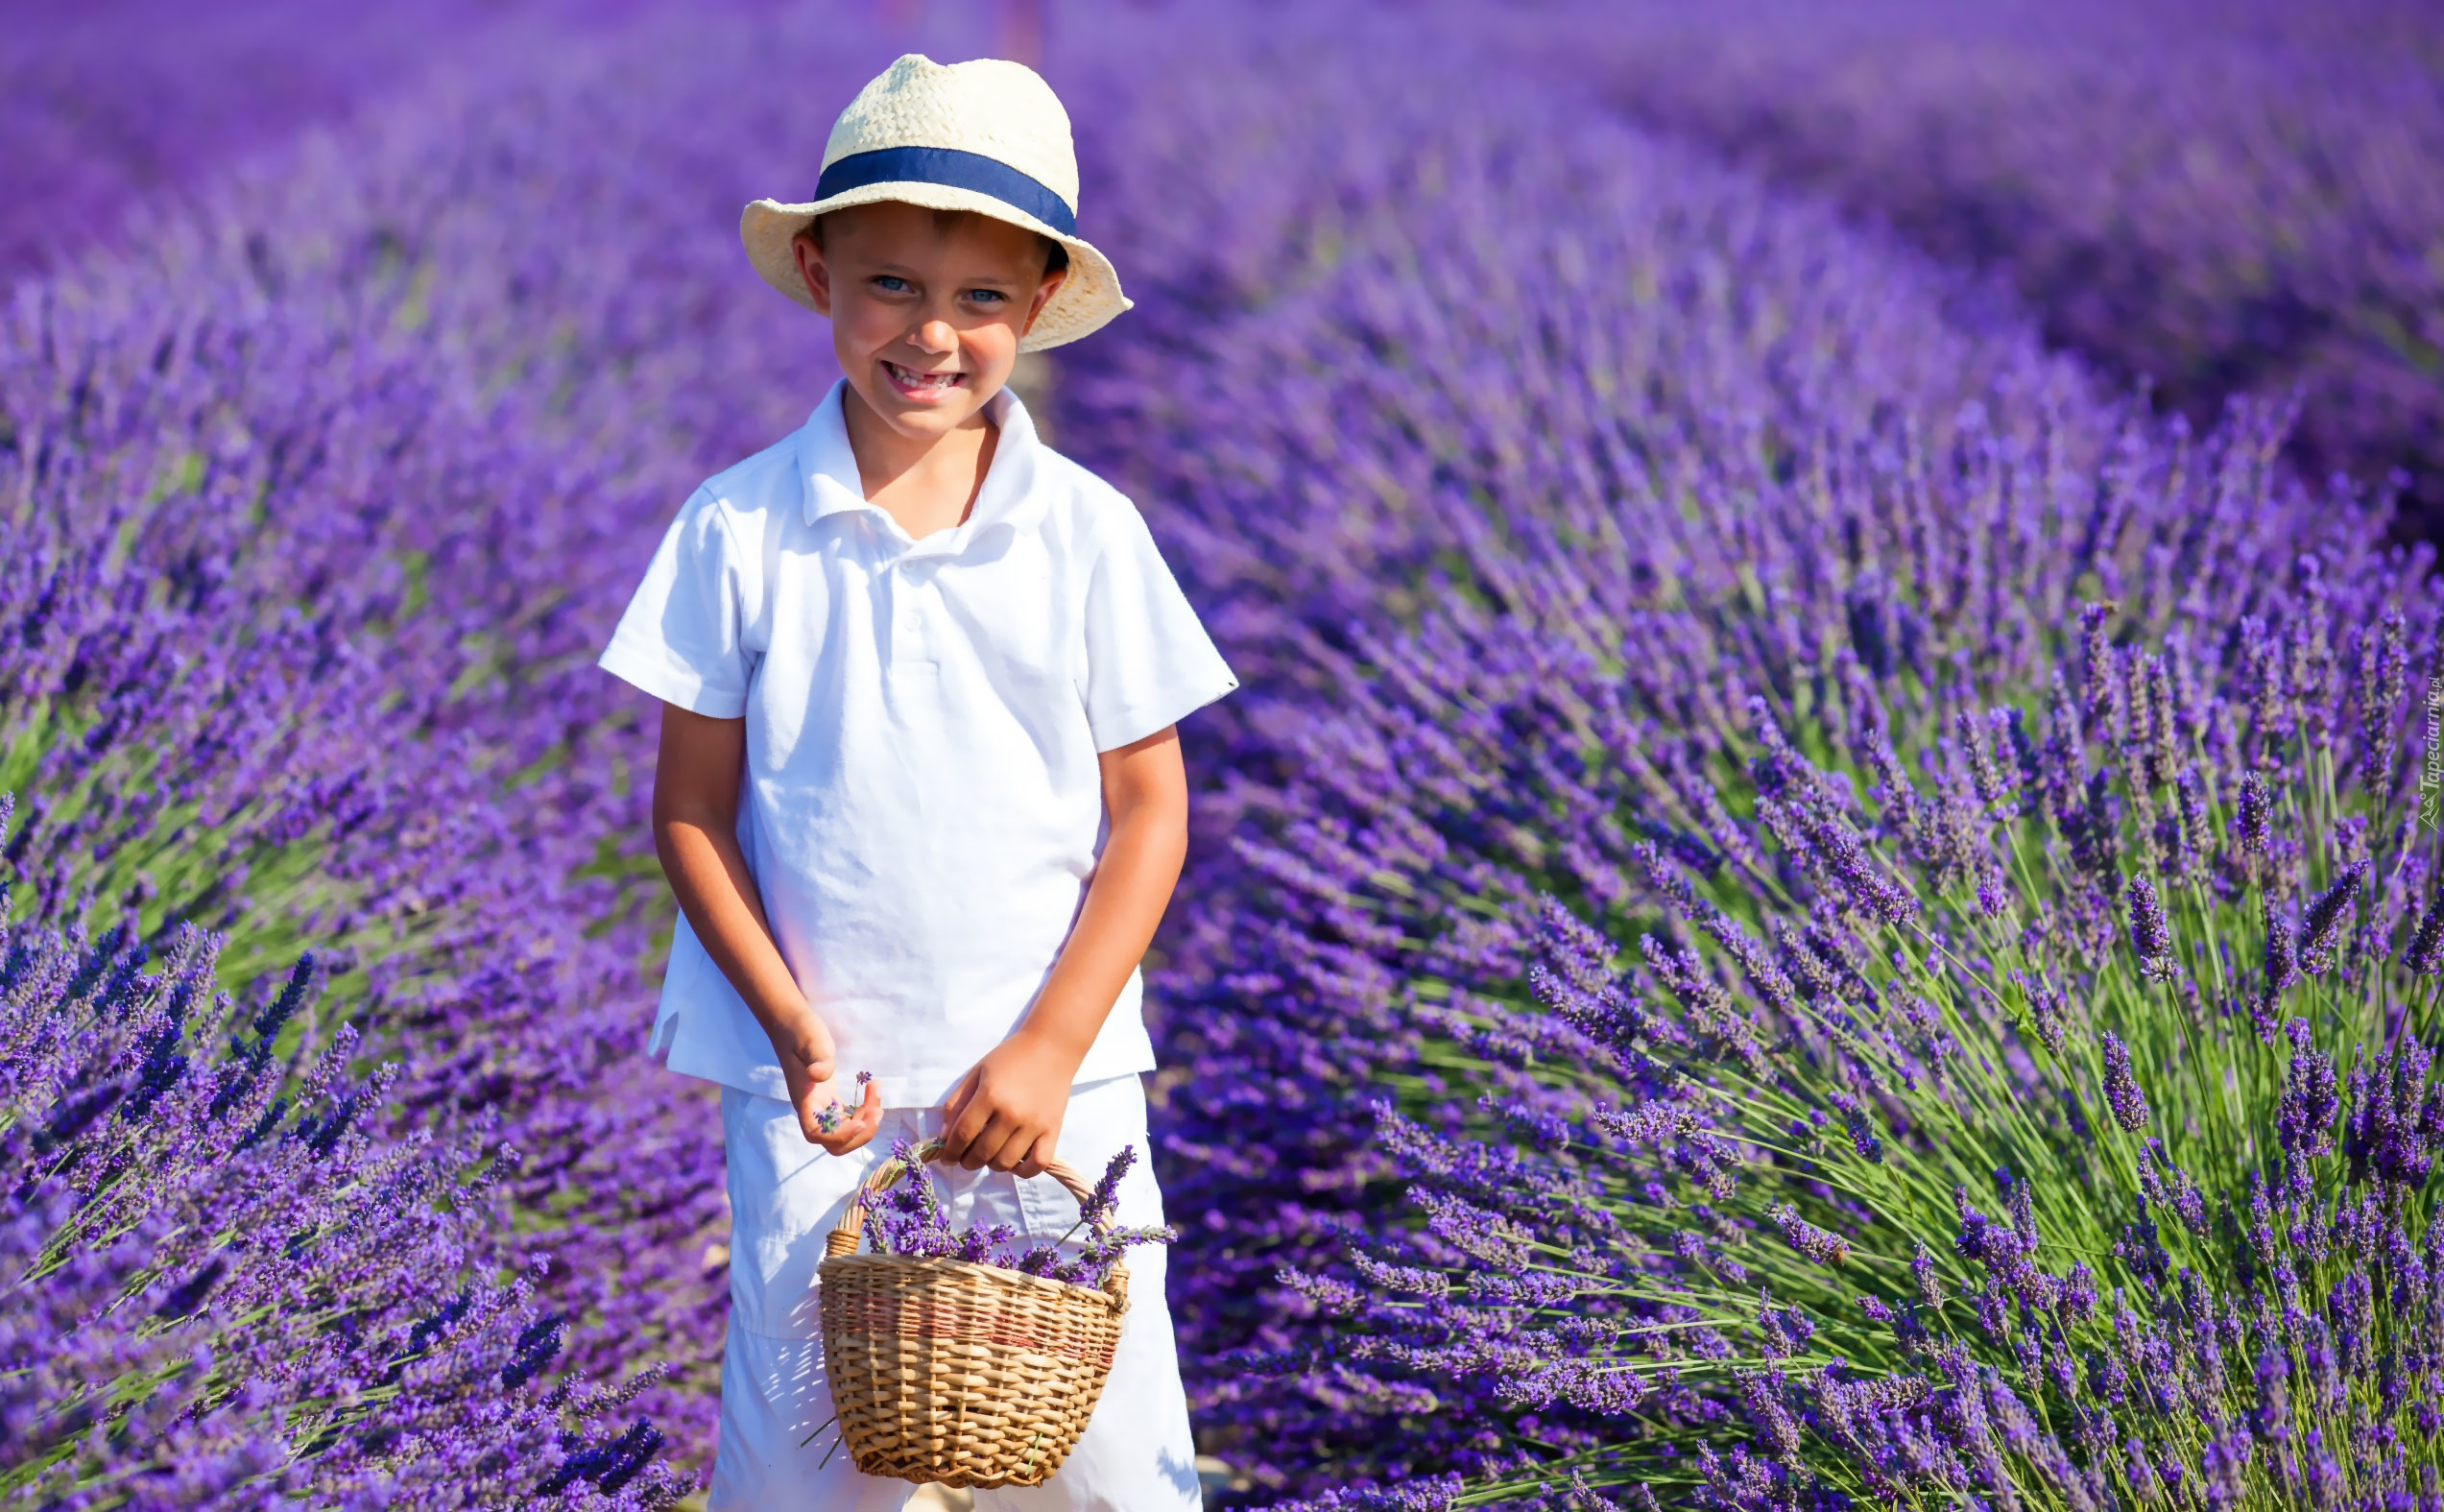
(958, 1373)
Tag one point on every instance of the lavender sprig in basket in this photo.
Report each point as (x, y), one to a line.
(958, 1356)
(907, 1218)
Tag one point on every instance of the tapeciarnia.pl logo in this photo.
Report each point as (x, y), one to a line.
(2431, 774)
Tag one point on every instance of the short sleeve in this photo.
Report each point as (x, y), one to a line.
(680, 639)
(1149, 662)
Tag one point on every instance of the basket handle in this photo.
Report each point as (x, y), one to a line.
(843, 1239)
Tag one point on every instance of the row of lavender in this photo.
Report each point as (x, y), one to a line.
(316, 507)
(1870, 894)
(117, 116)
(120, 115)
(2228, 196)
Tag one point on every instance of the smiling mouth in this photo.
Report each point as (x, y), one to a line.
(922, 385)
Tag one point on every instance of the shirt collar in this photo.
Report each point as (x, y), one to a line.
(1009, 496)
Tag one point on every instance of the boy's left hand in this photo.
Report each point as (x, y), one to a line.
(1006, 1112)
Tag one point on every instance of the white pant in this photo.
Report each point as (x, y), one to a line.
(785, 1195)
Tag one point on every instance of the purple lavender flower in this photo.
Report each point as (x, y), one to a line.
(1824, 1247)
(1863, 1128)
(1985, 772)
(2097, 681)
(2121, 1092)
(2320, 923)
(2425, 953)
(2381, 661)
(2151, 932)
(2282, 967)
(2310, 1097)
(1839, 848)
(834, 1113)
(1922, 1268)
(2394, 1126)
(1101, 1202)
(2256, 818)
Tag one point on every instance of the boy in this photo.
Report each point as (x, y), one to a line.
(918, 792)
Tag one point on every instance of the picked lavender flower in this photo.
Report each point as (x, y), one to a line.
(2121, 1092)
(908, 1217)
(836, 1113)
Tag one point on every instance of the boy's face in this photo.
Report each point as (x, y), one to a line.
(927, 310)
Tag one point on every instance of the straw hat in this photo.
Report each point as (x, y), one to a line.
(988, 135)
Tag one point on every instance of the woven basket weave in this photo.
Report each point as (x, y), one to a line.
(963, 1374)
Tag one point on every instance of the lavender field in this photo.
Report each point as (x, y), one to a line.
(1816, 896)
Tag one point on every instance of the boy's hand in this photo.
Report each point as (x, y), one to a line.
(1006, 1112)
(806, 1067)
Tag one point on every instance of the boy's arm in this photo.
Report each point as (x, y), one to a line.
(1006, 1112)
(696, 835)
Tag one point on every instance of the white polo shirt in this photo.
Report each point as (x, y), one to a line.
(921, 805)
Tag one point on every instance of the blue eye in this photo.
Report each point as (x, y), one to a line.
(890, 281)
(986, 294)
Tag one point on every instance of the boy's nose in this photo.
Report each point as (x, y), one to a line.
(936, 336)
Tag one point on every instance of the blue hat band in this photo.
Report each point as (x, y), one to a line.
(952, 169)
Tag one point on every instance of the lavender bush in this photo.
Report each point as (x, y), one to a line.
(226, 1290)
(2011, 1101)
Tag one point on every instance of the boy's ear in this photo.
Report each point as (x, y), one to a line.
(817, 272)
(1044, 290)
